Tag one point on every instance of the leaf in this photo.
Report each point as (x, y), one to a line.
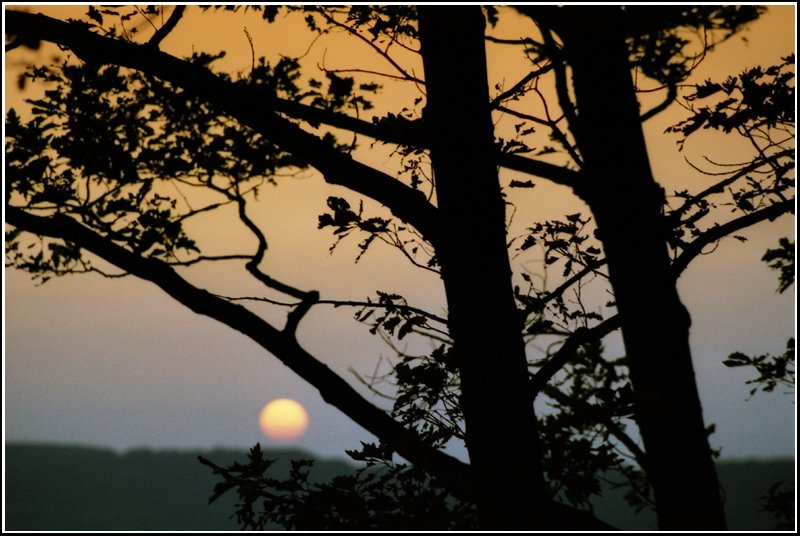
(95, 15)
(736, 360)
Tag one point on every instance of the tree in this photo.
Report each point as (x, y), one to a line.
(123, 126)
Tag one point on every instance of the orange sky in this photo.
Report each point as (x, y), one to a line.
(116, 362)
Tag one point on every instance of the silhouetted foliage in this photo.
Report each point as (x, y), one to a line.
(387, 498)
(773, 370)
(782, 260)
(128, 146)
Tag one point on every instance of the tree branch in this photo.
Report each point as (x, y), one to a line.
(714, 234)
(247, 105)
(719, 187)
(516, 88)
(413, 134)
(527, 41)
(378, 305)
(284, 346)
(584, 335)
(168, 26)
(405, 75)
(672, 94)
(255, 261)
(537, 168)
(567, 351)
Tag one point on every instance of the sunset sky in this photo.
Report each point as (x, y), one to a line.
(116, 362)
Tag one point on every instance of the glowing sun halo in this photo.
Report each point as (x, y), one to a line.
(283, 420)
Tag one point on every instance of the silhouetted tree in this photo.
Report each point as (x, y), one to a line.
(122, 126)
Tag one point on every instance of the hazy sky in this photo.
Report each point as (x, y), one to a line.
(118, 363)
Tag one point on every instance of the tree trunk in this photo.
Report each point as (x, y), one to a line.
(627, 202)
(501, 434)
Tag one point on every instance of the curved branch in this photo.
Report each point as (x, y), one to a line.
(719, 187)
(567, 351)
(253, 264)
(331, 386)
(168, 26)
(672, 94)
(714, 234)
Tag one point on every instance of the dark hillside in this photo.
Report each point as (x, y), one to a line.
(744, 483)
(83, 488)
(62, 488)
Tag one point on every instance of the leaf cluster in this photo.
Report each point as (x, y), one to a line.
(396, 497)
(563, 239)
(667, 42)
(585, 430)
(427, 399)
(755, 99)
(781, 259)
(773, 370)
(757, 105)
(344, 221)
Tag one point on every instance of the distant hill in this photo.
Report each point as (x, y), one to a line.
(743, 482)
(52, 487)
(61, 488)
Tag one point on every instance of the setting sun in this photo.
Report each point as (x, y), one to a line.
(283, 420)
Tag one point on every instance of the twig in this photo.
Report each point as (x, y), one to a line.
(167, 27)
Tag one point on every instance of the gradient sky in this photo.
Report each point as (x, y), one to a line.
(118, 363)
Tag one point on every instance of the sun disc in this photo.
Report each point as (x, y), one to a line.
(283, 419)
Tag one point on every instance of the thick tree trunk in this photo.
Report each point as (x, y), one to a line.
(626, 201)
(486, 328)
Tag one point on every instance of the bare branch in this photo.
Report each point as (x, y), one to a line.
(203, 258)
(672, 94)
(562, 87)
(368, 71)
(144, 15)
(295, 316)
(352, 31)
(527, 41)
(553, 123)
(522, 115)
(168, 26)
(516, 88)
